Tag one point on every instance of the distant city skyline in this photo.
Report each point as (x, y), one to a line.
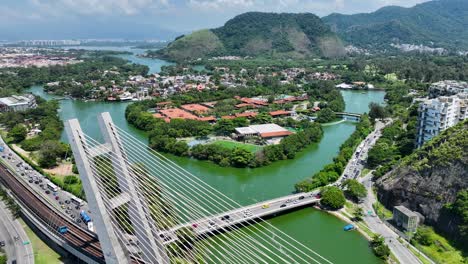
(150, 19)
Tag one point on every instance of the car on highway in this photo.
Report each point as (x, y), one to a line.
(283, 205)
(194, 225)
(225, 218)
(301, 197)
(265, 206)
(2, 243)
(211, 222)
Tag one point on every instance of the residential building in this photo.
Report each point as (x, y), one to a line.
(447, 88)
(436, 115)
(16, 103)
(405, 218)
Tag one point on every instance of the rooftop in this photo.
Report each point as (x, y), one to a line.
(15, 100)
(405, 210)
(195, 108)
(177, 113)
(280, 113)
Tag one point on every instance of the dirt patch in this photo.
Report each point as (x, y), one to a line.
(64, 169)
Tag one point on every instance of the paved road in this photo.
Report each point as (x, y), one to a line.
(352, 171)
(403, 254)
(356, 164)
(14, 235)
(207, 226)
(61, 200)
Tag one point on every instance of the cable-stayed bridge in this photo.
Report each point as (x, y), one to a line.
(146, 209)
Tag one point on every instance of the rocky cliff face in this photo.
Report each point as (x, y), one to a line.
(430, 178)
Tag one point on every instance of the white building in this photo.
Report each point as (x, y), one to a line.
(436, 115)
(17, 103)
(271, 133)
(447, 88)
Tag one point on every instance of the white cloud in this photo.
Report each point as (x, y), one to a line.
(220, 4)
(97, 7)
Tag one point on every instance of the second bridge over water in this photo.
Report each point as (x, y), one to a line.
(246, 215)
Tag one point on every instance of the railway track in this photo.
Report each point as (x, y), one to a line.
(80, 239)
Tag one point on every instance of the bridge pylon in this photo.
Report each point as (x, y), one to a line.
(152, 248)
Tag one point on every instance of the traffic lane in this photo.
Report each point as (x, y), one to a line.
(29, 175)
(7, 235)
(23, 249)
(238, 216)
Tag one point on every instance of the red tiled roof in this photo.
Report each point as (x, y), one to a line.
(276, 134)
(207, 118)
(253, 101)
(245, 105)
(228, 117)
(177, 113)
(280, 113)
(164, 103)
(195, 108)
(247, 114)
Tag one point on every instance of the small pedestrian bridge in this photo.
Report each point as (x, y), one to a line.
(349, 116)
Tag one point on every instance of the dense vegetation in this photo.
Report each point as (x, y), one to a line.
(354, 189)
(259, 34)
(332, 172)
(438, 172)
(332, 197)
(441, 22)
(379, 247)
(163, 137)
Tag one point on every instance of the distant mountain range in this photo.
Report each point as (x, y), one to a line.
(254, 34)
(440, 23)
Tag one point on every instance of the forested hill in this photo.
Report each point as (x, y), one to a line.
(434, 181)
(443, 22)
(259, 34)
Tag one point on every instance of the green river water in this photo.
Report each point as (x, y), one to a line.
(319, 231)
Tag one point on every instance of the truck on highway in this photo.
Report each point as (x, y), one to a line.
(85, 217)
(52, 187)
(62, 230)
(91, 226)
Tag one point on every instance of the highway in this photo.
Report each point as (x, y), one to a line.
(228, 220)
(17, 246)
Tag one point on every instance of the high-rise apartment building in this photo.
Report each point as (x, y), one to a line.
(438, 114)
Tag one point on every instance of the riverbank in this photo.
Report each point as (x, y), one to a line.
(320, 231)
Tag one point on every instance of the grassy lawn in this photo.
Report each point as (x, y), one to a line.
(440, 249)
(364, 172)
(233, 144)
(43, 254)
(391, 77)
(381, 211)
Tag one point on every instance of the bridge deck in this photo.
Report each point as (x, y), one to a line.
(229, 220)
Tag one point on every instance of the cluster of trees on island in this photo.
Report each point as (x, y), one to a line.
(164, 137)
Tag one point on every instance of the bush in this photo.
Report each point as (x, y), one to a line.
(355, 189)
(380, 249)
(18, 133)
(332, 197)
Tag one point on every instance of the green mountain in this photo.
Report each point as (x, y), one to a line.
(434, 182)
(439, 23)
(259, 34)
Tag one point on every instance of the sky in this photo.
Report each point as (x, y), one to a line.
(150, 19)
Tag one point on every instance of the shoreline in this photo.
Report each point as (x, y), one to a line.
(345, 219)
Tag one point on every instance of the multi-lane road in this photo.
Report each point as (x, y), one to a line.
(17, 246)
(353, 171)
